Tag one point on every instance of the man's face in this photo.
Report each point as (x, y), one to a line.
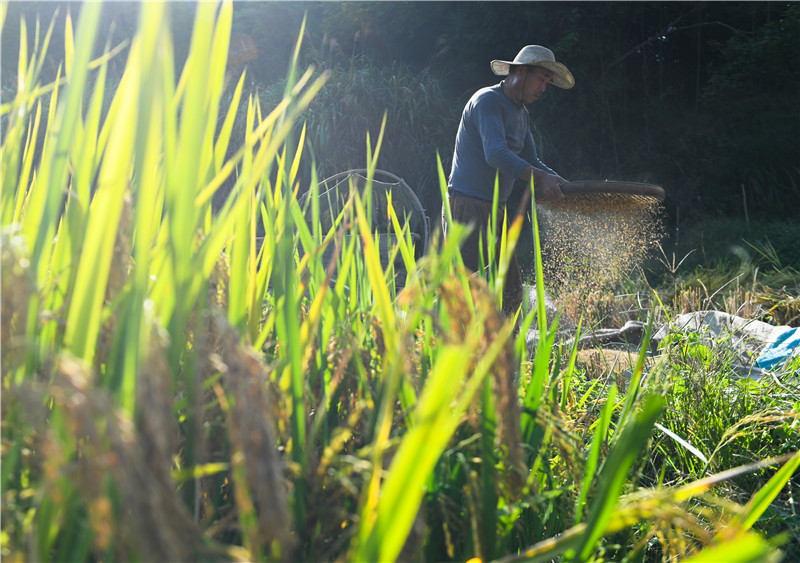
(535, 83)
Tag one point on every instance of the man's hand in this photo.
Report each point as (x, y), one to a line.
(550, 186)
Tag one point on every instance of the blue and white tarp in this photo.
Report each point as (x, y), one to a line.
(758, 346)
(776, 353)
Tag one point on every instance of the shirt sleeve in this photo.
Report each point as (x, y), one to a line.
(488, 114)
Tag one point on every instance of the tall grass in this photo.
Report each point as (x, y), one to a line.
(176, 387)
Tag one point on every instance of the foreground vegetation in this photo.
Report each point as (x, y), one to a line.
(176, 387)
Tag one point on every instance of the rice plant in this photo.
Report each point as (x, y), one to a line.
(178, 387)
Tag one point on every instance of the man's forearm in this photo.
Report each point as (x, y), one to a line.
(539, 176)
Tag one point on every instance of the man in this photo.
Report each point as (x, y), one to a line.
(494, 141)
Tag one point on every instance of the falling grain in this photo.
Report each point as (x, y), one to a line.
(592, 241)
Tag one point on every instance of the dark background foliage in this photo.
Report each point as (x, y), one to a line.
(702, 98)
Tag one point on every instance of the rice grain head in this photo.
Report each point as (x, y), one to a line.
(245, 381)
(17, 285)
(463, 318)
(153, 523)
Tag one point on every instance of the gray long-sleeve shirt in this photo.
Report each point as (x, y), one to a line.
(494, 136)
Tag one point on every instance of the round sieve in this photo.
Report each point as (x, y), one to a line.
(611, 191)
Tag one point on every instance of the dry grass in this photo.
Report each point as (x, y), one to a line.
(616, 365)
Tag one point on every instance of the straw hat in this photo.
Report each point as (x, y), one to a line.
(536, 55)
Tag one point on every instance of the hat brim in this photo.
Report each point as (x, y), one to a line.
(562, 76)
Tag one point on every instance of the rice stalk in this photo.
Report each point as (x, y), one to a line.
(92, 449)
(260, 490)
(662, 506)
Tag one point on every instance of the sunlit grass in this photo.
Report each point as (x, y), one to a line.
(186, 383)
